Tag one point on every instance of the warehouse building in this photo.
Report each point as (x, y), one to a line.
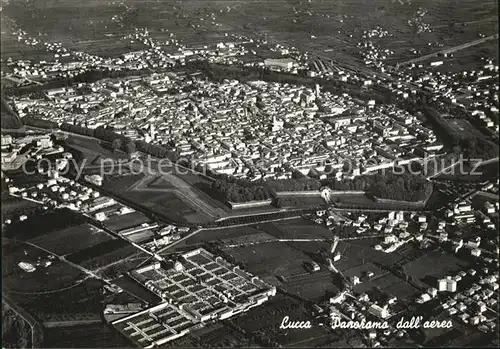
(285, 63)
(197, 288)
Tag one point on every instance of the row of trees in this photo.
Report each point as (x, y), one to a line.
(229, 188)
(470, 145)
(77, 129)
(360, 183)
(118, 141)
(295, 184)
(128, 146)
(226, 191)
(88, 76)
(43, 222)
(30, 121)
(219, 72)
(477, 148)
(157, 151)
(10, 120)
(403, 187)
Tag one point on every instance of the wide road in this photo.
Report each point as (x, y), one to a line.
(486, 162)
(169, 246)
(443, 170)
(269, 220)
(154, 166)
(86, 271)
(450, 50)
(183, 190)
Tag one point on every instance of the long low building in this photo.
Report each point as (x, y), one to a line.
(197, 288)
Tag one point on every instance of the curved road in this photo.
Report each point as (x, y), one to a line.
(36, 328)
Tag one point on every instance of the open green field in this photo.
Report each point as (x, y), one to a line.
(302, 202)
(168, 191)
(168, 204)
(314, 26)
(263, 262)
(129, 220)
(354, 254)
(84, 297)
(163, 201)
(121, 182)
(98, 335)
(302, 229)
(55, 277)
(13, 207)
(279, 263)
(298, 228)
(282, 265)
(158, 182)
(70, 240)
(434, 265)
(100, 26)
(269, 317)
(133, 287)
(103, 254)
(10, 120)
(41, 223)
(116, 270)
(92, 152)
(322, 24)
(165, 193)
(216, 234)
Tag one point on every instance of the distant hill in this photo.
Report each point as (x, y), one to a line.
(9, 119)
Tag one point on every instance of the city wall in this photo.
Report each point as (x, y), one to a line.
(299, 193)
(249, 204)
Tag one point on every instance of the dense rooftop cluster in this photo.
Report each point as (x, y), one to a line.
(252, 130)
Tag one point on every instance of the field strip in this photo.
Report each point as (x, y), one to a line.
(49, 292)
(184, 190)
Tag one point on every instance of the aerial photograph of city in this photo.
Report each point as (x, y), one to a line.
(250, 173)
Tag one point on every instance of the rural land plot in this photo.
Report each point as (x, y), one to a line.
(128, 220)
(84, 336)
(167, 195)
(271, 314)
(54, 277)
(247, 240)
(434, 265)
(317, 286)
(279, 261)
(117, 269)
(269, 259)
(103, 254)
(42, 223)
(302, 229)
(139, 291)
(70, 240)
(221, 234)
(84, 297)
(121, 181)
(316, 335)
(356, 256)
(13, 207)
